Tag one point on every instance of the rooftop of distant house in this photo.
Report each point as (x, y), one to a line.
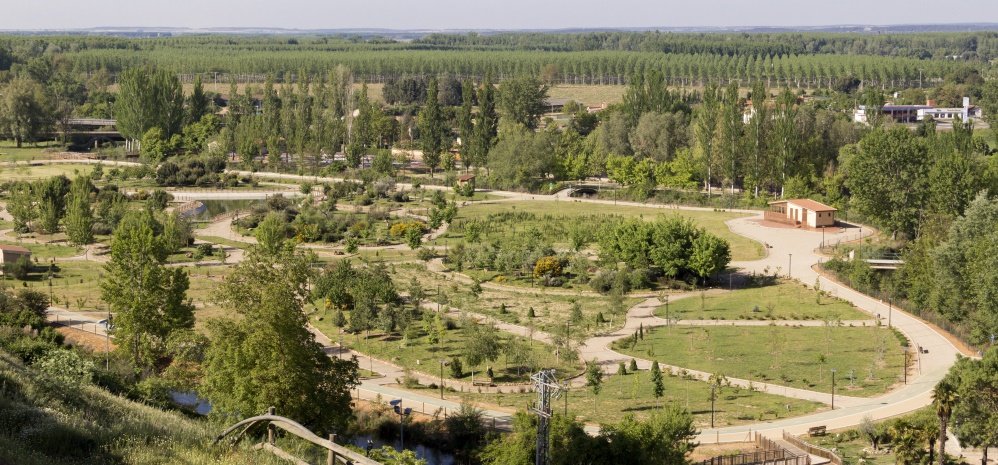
(13, 248)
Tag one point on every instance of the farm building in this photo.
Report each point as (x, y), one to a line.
(12, 253)
(913, 113)
(801, 212)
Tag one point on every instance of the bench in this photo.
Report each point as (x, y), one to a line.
(816, 431)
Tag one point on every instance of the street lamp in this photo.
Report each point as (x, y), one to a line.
(833, 389)
(442, 363)
(402, 413)
(790, 262)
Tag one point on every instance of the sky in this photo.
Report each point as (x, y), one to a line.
(475, 14)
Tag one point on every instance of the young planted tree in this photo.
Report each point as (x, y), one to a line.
(594, 380)
(21, 206)
(79, 219)
(658, 386)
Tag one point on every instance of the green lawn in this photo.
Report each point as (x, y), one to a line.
(633, 394)
(550, 309)
(552, 219)
(800, 357)
(786, 300)
(420, 354)
(10, 152)
(43, 252)
(35, 172)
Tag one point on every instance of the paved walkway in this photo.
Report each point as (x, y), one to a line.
(791, 251)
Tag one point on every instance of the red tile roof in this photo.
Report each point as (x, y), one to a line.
(13, 248)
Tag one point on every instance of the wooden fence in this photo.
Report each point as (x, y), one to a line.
(771, 454)
(812, 449)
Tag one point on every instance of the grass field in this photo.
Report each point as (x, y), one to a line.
(419, 353)
(43, 252)
(588, 95)
(550, 309)
(787, 300)
(800, 357)
(35, 172)
(553, 217)
(10, 152)
(633, 394)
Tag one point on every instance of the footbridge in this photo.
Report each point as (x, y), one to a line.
(336, 454)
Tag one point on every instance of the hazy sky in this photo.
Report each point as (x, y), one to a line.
(473, 14)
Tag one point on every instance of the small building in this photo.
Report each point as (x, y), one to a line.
(967, 112)
(915, 113)
(12, 253)
(554, 105)
(801, 212)
(466, 179)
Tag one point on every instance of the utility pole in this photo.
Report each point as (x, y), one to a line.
(713, 395)
(547, 388)
(890, 311)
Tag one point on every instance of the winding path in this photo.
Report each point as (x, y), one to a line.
(793, 251)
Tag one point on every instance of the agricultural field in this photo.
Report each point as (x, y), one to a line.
(785, 300)
(868, 360)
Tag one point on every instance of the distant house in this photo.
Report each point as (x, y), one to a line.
(12, 253)
(554, 105)
(914, 113)
(466, 179)
(801, 212)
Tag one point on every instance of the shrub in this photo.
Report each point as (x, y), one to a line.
(549, 266)
(66, 368)
(456, 369)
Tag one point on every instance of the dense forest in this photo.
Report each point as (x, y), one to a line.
(796, 60)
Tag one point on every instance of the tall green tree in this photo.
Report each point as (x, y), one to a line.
(25, 110)
(269, 357)
(21, 205)
(523, 100)
(785, 139)
(79, 215)
(433, 131)
(149, 98)
(465, 123)
(147, 298)
(975, 415)
(757, 135)
(705, 130)
(198, 103)
(271, 234)
(887, 179)
(486, 124)
(51, 197)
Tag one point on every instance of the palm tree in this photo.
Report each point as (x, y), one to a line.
(944, 397)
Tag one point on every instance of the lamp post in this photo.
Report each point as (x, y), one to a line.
(442, 363)
(790, 262)
(833, 389)
(822, 237)
(890, 311)
(402, 413)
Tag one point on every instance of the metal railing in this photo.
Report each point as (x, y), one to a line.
(813, 449)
